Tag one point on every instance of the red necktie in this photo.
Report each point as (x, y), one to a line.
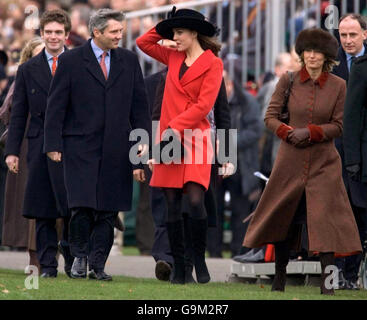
(103, 64)
(54, 65)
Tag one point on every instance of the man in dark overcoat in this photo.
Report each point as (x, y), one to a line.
(45, 195)
(352, 33)
(97, 97)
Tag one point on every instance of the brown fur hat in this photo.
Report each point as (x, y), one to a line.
(318, 40)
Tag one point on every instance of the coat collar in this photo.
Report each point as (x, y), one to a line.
(41, 71)
(304, 76)
(201, 64)
(94, 68)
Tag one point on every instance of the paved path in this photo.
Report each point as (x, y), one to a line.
(118, 264)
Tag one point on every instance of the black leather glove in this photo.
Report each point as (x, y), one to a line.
(354, 172)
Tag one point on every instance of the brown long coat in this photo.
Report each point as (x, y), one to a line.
(17, 230)
(315, 170)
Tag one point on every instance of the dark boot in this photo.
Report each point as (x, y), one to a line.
(198, 228)
(281, 262)
(68, 258)
(189, 253)
(326, 259)
(176, 240)
(188, 274)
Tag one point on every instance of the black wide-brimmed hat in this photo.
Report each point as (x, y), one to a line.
(318, 40)
(187, 19)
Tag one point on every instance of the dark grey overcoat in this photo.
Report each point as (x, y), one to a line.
(89, 120)
(45, 194)
(355, 120)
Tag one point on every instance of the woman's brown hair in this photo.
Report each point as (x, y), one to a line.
(209, 43)
(328, 65)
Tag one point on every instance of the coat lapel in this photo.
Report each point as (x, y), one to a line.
(92, 64)
(201, 65)
(41, 72)
(116, 67)
(343, 64)
(174, 71)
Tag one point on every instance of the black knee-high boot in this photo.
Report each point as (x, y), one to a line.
(189, 255)
(198, 228)
(176, 239)
(281, 262)
(326, 259)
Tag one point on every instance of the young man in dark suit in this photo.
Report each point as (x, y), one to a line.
(45, 195)
(352, 33)
(96, 98)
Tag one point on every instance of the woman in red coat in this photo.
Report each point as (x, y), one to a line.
(193, 81)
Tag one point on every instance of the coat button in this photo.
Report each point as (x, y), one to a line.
(33, 91)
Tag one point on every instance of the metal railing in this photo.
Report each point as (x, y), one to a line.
(268, 27)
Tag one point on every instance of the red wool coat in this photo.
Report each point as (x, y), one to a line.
(186, 104)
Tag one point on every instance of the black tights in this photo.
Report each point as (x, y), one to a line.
(195, 194)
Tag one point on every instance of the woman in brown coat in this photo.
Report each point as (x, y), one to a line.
(18, 231)
(306, 186)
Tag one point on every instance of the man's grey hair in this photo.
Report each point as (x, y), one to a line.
(99, 19)
(281, 58)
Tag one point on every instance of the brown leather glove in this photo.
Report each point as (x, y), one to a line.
(298, 136)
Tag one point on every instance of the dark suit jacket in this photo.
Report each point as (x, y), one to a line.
(45, 195)
(89, 120)
(357, 191)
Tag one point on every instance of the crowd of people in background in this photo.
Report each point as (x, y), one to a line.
(248, 103)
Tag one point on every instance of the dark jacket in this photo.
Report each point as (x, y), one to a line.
(89, 120)
(245, 117)
(357, 191)
(355, 126)
(45, 195)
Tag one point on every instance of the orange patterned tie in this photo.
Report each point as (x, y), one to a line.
(54, 65)
(103, 64)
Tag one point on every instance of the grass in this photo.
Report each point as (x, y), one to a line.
(130, 251)
(12, 287)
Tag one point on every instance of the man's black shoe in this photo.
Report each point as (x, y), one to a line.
(79, 268)
(48, 275)
(68, 258)
(163, 270)
(99, 275)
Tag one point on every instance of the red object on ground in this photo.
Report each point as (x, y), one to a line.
(269, 253)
